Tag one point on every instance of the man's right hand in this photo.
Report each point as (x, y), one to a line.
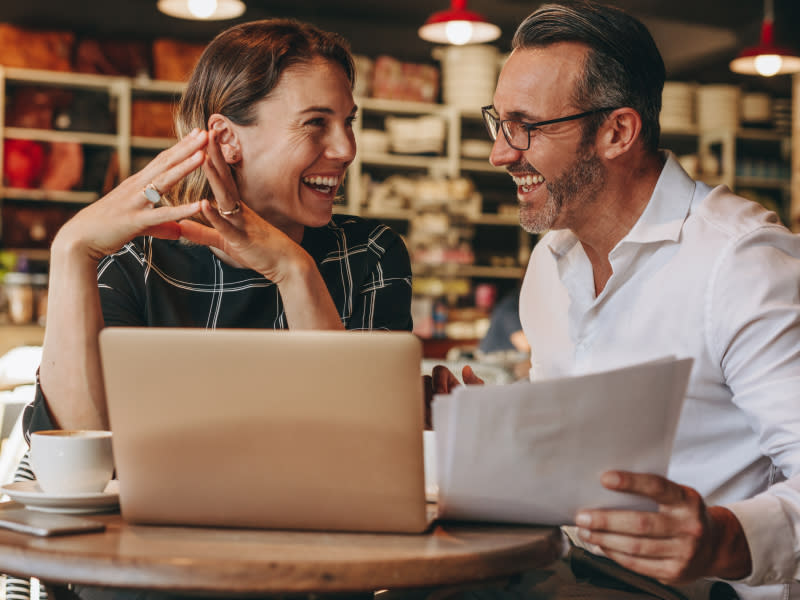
(442, 381)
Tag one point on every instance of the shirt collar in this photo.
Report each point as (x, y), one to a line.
(662, 218)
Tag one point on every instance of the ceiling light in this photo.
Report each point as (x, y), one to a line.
(766, 59)
(458, 26)
(202, 10)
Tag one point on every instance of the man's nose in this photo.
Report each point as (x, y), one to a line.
(502, 153)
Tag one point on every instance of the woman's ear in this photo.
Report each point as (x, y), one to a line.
(619, 132)
(226, 136)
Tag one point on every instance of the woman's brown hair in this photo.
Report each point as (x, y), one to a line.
(239, 68)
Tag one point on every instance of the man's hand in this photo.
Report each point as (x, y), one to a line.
(442, 381)
(681, 542)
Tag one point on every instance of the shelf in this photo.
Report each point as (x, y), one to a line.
(157, 86)
(458, 270)
(60, 78)
(407, 215)
(761, 135)
(488, 219)
(12, 336)
(400, 214)
(381, 105)
(53, 135)
(39, 195)
(763, 182)
(679, 131)
(39, 254)
(471, 113)
(151, 143)
(403, 160)
(482, 166)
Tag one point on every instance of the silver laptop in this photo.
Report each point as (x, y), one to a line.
(272, 429)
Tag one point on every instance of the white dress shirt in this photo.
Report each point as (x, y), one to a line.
(704, 274)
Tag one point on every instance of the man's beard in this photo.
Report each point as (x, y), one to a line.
(575, 189)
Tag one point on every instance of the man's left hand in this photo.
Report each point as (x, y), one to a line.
(683, 541)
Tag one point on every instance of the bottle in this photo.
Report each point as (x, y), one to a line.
(439, 318)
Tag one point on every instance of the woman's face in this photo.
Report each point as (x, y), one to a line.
(293, 158)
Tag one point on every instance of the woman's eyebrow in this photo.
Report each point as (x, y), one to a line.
(325, 109)
(322, 109)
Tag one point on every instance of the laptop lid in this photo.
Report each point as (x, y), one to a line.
(267, 428)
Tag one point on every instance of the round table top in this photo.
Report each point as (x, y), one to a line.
(246, 561)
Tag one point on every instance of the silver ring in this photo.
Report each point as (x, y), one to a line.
(152, 194)
(227, 213)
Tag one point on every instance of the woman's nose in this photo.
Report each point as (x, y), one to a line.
(342, 145)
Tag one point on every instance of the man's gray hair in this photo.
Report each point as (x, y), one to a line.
(623, 66)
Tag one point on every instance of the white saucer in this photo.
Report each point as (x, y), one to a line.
(31, 495)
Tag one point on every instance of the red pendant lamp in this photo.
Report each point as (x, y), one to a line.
(458, 26)
(766, 59)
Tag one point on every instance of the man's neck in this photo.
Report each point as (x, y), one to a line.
(616, 210)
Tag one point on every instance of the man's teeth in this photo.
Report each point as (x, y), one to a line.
(528, 180)
(322, 181)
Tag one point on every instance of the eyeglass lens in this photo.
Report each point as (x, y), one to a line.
(515, 132)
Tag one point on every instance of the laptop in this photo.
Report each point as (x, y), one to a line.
(279, 429)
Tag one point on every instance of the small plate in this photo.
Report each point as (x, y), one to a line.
(31, 495)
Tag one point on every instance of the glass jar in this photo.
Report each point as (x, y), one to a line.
(19, 291)
(39, 282)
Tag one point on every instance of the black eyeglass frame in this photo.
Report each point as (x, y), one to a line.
(529, 127)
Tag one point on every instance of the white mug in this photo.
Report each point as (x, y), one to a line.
(72, 461)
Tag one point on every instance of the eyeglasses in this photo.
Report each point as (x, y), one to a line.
(518, 133)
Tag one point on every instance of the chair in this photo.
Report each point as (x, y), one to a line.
(17, 588)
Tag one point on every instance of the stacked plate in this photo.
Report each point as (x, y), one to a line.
(756, 108)
(469, 74)
(363, 75)
(476, 148)
(782, 114)
(373, 141)
(718, 107)
(678, 105)
(419, 135)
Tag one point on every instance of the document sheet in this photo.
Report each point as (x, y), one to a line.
(534, 452)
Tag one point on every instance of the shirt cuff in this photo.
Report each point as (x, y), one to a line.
(770, 535)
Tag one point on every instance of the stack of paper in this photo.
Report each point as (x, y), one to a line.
(534, 452)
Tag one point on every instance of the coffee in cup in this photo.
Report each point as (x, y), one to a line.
(72, 461)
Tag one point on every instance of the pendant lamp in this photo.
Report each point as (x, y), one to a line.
(202, 10)
(766, 59)
(458, 26)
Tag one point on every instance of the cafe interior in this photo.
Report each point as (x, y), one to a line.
(422, 163)
(87, 90)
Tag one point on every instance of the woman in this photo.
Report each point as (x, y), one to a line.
(266, 128)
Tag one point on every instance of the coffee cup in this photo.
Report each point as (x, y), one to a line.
(72, 461)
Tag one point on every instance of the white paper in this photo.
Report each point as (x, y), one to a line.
(534, 452)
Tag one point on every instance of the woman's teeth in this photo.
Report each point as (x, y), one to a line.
(324, 184)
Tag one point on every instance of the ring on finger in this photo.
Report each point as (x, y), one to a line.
(227, 213)
(152, 193)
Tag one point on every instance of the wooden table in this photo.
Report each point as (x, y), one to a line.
(228, 562)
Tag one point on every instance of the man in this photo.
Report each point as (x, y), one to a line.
(640, 262)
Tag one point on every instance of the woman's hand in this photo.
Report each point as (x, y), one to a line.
(112, 221)
(236, 229)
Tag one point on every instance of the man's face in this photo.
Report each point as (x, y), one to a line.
(560, 173)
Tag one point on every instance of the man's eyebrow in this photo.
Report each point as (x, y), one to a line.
(518, 115)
